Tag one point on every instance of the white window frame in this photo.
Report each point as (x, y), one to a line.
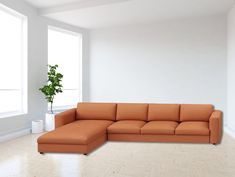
(77, 34)
(24, 61)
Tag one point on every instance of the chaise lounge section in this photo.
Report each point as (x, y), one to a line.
(83, 129)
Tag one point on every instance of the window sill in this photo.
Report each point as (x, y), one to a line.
(11, 114)
(61, 108)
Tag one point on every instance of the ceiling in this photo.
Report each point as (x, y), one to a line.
(50, 3)
(106, 13)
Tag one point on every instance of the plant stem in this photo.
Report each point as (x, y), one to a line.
(51, 108)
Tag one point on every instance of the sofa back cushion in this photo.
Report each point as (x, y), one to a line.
(132, 111)
(164, 112)
(96, 111)
(195, 112)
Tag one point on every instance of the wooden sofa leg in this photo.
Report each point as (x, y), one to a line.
(41, 152)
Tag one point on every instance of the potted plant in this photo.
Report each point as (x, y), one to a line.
(50, 90)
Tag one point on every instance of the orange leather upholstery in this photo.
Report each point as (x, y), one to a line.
(78, 132)
(82, 129)
(72, 148)
(164, 112)
(126, 126)
(159, 138)
(192, 128)
(195, 112)
(159, 128)
(135, 111)
(65, 117)
(96, 111)
(215, 126)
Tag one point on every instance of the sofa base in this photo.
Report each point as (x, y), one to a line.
(159, 138)
(72, 148)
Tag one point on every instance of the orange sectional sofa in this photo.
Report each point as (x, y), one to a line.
(83, 129)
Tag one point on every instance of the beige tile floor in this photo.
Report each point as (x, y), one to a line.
(19, 158)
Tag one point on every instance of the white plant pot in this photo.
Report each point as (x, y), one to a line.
(50, 121)
(37, 126)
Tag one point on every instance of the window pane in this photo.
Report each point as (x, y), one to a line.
(11, 51)
(12, 54)
(64, 49)
(71, 97)
(10, 101)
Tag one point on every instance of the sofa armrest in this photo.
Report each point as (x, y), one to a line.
(65, 117)
(215, 126)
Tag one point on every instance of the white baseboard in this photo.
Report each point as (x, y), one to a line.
(14, 135)
(229, 131)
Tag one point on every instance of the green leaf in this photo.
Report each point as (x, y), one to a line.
(54, 85)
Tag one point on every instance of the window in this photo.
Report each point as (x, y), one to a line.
(13, 70)
(65, 49)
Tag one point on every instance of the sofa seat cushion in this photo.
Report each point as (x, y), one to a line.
(78, 132)
(192, 128)
(126, 126)
(159, 128)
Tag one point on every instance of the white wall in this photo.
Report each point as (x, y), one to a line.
(231, 71)
(169, 62)
(37, 69)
